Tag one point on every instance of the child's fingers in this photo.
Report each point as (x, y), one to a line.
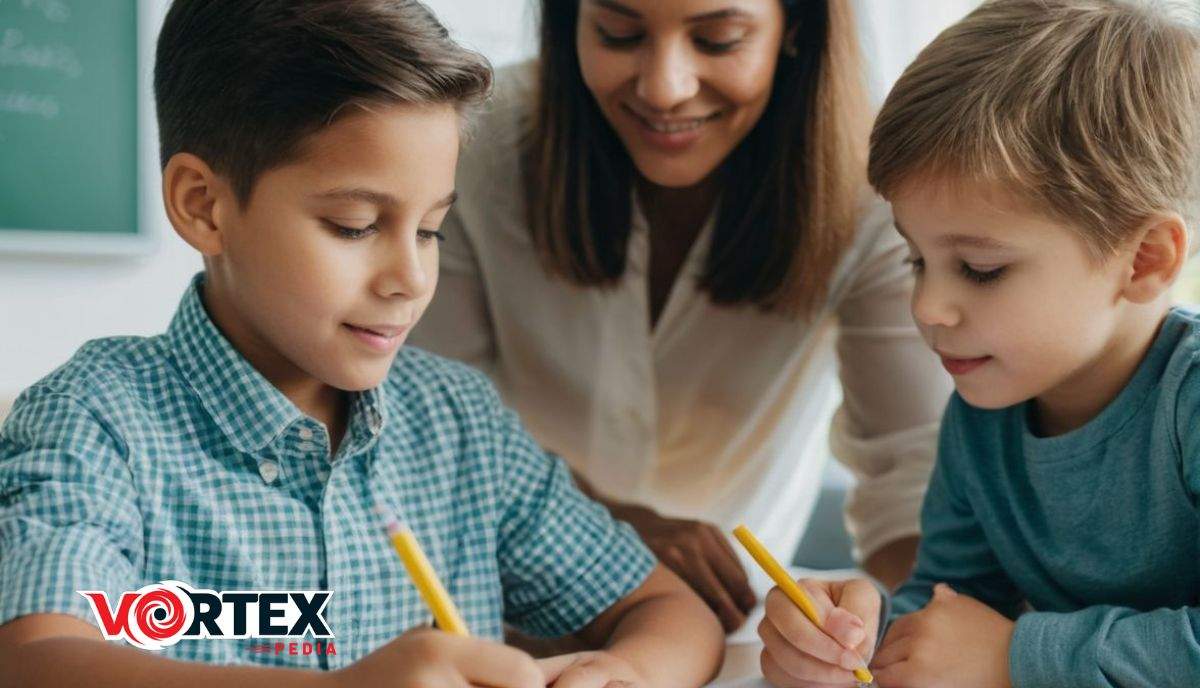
(552, 667)
(892, 652)
(492, 664)
(778, 677)
(802, 666)
(898, 675)
(583, 676)
(845, 628)
(795, 628)
(901, 628)
(855, 622)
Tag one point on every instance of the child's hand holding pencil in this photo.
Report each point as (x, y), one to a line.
(816, 632)
(798, 653)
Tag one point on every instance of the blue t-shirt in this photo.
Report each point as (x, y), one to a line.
(1095, 530)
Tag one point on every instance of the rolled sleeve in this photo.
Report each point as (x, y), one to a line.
(893, 391)
(892, 474)
(69, 520)
(563, 559)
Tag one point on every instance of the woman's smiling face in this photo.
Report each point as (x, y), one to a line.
(682, 82)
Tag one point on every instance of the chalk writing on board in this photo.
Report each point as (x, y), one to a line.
(53, 10)
(15, 52)
(35, 104)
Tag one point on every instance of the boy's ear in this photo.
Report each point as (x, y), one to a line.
(1161, 251)
(191, 191)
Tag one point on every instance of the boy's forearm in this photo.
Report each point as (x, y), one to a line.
(70, 662)
(1107, 646)
(651, 635)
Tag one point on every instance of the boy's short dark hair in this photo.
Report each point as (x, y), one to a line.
(241, 83)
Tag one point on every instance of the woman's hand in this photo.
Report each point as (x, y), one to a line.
(701, 555)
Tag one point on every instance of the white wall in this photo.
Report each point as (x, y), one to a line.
(51, 305)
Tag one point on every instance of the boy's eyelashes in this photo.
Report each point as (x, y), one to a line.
(965, 269)
(618, 41)
(424, 235)
(981, 276)
(354, 232)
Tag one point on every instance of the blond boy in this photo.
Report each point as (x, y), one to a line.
(1040, 157)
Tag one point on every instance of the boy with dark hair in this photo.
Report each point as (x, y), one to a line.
(308, 152)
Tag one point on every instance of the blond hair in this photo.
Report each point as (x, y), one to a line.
(1086, 109)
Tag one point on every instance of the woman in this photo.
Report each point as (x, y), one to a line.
(662, 240)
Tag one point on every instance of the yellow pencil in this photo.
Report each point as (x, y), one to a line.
(789, 586)
(423, 575)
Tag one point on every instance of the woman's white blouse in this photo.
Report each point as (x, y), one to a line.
(716, 413)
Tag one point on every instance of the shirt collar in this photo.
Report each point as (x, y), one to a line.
(250, 411)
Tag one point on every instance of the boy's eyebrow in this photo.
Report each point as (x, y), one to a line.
(380, 198)
(726, 13)
(956, 240)
(358, 194)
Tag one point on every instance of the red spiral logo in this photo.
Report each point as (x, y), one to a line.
(159, 614)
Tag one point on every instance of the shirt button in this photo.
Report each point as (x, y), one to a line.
(322, 474)
(306, 434)
(269, 470)
(307, 446)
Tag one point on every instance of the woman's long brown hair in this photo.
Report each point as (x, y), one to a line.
(790, 192)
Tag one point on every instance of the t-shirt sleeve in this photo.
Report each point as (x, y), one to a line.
(69, 518)
(563, 559)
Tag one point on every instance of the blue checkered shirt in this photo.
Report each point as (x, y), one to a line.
(170, 457)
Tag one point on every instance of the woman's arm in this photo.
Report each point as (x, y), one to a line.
(893, 391)
(696, 551)
(892, 563)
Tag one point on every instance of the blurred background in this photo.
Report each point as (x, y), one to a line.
(59, 290)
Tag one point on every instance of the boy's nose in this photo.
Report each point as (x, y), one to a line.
(666, 78)
(933, 307)
(403, 273)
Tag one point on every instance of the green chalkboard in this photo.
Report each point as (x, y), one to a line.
(68, 119)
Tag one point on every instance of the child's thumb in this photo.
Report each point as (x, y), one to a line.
(941, 591)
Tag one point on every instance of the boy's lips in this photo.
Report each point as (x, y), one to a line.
(381, 330)
(379, 337)
(961, 366)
